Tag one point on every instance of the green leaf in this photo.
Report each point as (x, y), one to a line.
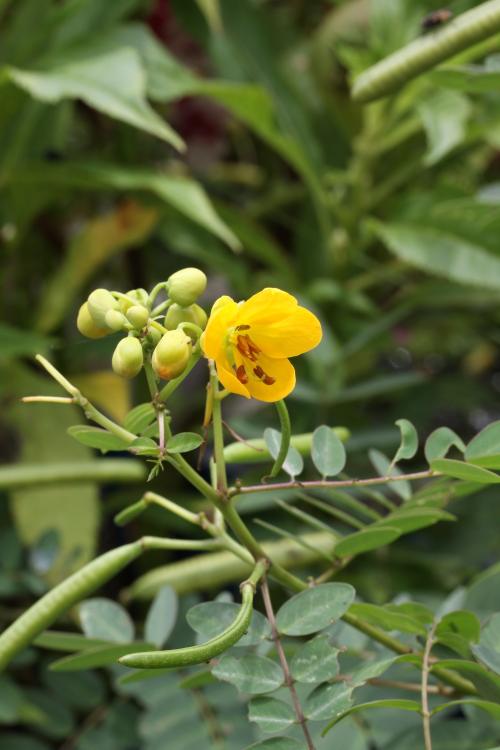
(365, 540)
(293, 463)
(139, 418)
(441, 253)
(95, 437)
(439, 443)
(411, 519)
(471, 78)
(184, 442)
(113, 82)
(388, 617)
(409, 441)
(328, 452)
(444, 115)
(104, 618)
(457, 630)
(141, 675)
(484, 448)
(161, 616)
(491, 708)
(249, 674)
(272, 715)
(486, 682)
(315, 661)
(199, 679)
(401, 704)
(82, 691)
(315, 608)
(370, 670)
(18, 342)
(383, 467)
(277, 743)
(488, 650)
(100, 656)
(462, 470)
(209, 619)
(11, 701)
(144, 446)
(60, 641)
(327, 700)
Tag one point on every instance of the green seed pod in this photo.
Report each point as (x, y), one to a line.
(86, 325)
(61, 598)
(138, 315)
(99, 302)
(115, 320)
(171, 355)
(183, 657)
(128, 357)
(185, 286)
(192, 314)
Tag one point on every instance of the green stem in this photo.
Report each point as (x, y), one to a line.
(154, 542)
(171, 507)
(101, 470)
(151, 380)
(155, 292)
(89, 410)
(218, 429)
(171, 386)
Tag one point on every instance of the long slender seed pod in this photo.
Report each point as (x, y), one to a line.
(425, 52)
(286, 435)
(47, 609)
(183, 657)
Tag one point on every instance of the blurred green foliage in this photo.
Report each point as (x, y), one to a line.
(139, 136)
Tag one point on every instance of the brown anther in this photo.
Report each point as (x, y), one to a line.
(258, 371)
(241, 374)
(268, 380)
(242, 328)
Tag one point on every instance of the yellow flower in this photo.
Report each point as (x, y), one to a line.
(250, 342)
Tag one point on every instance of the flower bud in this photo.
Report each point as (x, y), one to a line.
(154, 335)
(185, 286)
(136, 297)
(171, 355)
(128, 357)
(99, 302)
(114, 320)
(192, 314)
(138, 315)
(86, 326)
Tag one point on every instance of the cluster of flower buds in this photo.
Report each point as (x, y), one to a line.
(166, 346)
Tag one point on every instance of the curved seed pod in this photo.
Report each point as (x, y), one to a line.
(182, 657)
(75, 588)
(425, 52)
(286, 435)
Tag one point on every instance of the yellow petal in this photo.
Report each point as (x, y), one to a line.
(279, 326)
(229, 379)
(223, 317)
(280, 369)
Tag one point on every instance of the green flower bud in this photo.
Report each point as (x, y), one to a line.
(192, 314)
(99, 302)
(138, 316)
(128, 357)
(171, 355)
(86, 326)
(115, 320)
(137, 296)
(185, 286)
(154, 335)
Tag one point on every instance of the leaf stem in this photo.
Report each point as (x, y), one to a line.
(218, 430)
(326, 483)
(426, 716)
(301, 719)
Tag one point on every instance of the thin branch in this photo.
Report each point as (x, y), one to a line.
(325, 483)
(426, 716)
(301, 719)
(47, 400)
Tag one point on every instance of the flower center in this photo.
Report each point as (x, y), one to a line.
(250, 367)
